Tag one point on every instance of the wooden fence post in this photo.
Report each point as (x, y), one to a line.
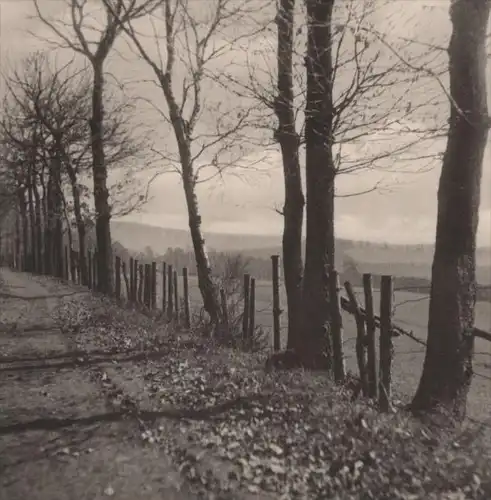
(252, 313)
(275, 262)
(337, 328)
(136, 282)
(147, 291)
(89, 269)
(170, 292)
(164, 287)
(386, 347)
(187, 308)
(95, 274)
(245, 316)
(66, 274)
(154, 285)
(132, 280)
(73, 266)
(176, 295)
(117, 277)
(141, 283)
(371, 330)
(127, 282)
(360, 337)
(79, 268)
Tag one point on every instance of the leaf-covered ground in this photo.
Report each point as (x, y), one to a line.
(235, 431)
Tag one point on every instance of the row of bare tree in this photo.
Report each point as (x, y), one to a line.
(334, 83)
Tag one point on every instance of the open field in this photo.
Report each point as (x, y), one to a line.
(411, 313)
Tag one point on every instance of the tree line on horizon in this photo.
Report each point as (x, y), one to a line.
(335, 80)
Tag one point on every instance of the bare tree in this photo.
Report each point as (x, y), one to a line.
(76, 35)
(194, 37)
(289, 140)
(53, 103)
(447, 371)
(367, 67)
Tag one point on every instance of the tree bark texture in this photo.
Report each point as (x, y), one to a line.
(101, 193)
(289, 142)
(447, 370)
(320, 176)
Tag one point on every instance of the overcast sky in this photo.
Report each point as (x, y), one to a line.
(403, 212)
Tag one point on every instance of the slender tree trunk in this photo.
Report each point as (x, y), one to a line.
(101, 193)
(32, 219)
(207, 288)
(40, 223)
(57, 234)
(447, 370)
(320, 175)
(206, 285)
(24, 228)
(289, 142)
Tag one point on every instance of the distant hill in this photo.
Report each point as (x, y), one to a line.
(412, 261)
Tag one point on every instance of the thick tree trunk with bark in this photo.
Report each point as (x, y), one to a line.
(320, 176)
(289, 141)
(447, 370)
(101, 193)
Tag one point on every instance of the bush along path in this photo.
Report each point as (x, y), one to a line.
(105, 402)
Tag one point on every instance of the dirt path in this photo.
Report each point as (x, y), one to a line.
(80, 462)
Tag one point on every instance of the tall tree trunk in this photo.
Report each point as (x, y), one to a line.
(24, 228)
(77, 209)
(58, 218)
(208, 290)
(320, 176)
(447, 370)
(40, 224)
(101, 193)
(289, 142)
(32, 219)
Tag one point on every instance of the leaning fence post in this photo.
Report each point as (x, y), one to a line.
(126, 282)
(187, 313)
(386, 347)
(337, 327)
(245, 316)
(360, 337)
(252, 313)
(275, 262)
(371, 330)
